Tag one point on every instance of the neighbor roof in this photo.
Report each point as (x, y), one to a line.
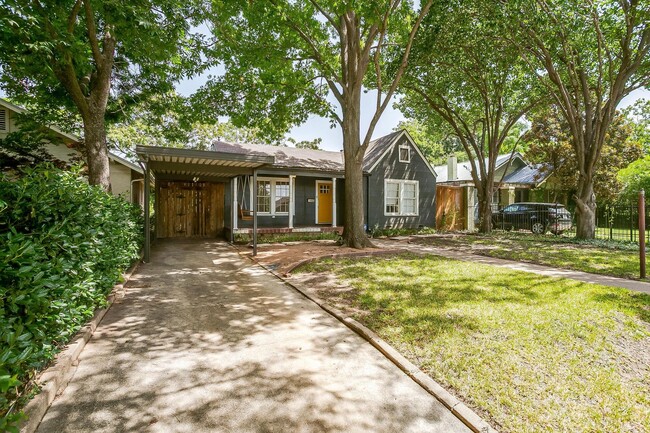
(528, 174)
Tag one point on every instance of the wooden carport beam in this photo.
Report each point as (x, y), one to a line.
(196, 169)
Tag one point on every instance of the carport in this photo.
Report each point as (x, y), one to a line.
(182, 168)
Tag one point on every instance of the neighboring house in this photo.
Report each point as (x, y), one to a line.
(456, 195)
(126, 177)
(211, 193)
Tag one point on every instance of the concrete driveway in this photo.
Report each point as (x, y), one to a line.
(205, 341)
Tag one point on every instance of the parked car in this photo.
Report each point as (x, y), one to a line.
(536, 217)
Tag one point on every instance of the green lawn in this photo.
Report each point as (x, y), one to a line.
(531, 353)
(599, 257)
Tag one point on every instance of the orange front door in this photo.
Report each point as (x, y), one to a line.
(324, 191)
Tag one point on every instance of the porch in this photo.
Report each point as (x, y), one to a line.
(214, 194)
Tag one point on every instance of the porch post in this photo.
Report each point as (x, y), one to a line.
(333, 202)
(254, 212)
(147, 229)
(235, 204)
(292, 199)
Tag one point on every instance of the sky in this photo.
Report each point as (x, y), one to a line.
(319, 127)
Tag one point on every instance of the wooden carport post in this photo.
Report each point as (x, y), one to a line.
(254, 212)
(147, 229)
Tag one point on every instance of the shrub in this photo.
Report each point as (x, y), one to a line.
(63, 245)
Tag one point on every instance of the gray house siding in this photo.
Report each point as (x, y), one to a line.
(390, 167)
(305, 206)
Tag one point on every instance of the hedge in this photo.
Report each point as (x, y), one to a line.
(63, 245)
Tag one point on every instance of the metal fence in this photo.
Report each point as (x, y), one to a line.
(613, 222)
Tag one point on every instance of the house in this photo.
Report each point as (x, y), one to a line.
(456, 195)
(126, 177)
(215, 193)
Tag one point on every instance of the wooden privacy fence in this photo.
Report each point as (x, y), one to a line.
(190, 209)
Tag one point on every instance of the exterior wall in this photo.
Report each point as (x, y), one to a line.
(390, 168)
(121, 180)
(305, 205)
(11, 123)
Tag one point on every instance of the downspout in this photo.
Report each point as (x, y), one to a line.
(367, 203)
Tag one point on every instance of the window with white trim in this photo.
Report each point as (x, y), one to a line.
(401, 197)
(3, 120)
(273, 196)
(404, 153)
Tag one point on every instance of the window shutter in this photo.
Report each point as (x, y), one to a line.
(3, 119)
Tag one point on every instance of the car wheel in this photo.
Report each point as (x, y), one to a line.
(538, 228)
(557, 232)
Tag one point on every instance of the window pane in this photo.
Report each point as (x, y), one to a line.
(281, 197)
(392, 205)
(409, 190)
(404, 154)
(409, 206)
(392, 189)
(263, 196)
(392, 197)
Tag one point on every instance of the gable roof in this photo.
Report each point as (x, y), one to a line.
(321, 160)
(286, 157)
(377, 149)
(111, 155)
(464, 169)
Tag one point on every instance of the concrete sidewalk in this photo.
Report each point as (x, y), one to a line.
(639, 286)
(205, 341)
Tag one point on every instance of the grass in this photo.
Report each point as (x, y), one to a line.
(532, 353)
(614, 258)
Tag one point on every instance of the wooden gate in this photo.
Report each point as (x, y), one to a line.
(188, 209)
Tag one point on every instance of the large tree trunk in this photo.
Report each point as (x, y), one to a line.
(485, 206)
(96, 149)
(586, 208)
(354, 234)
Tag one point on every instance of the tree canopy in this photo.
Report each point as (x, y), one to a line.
(588, 56)
(466, 81)
(285, 60)
(87, 55)
(549, 144)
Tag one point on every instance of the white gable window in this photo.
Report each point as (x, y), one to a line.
(273, 196)
(401, 197)
(404, 153)
(4, 120)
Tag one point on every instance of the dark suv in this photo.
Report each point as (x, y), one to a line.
(536, 217)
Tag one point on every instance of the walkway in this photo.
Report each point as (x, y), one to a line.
(204, 341)
(639, 286)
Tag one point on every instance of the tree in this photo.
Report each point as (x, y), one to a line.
(465, 80)
(307, 144)
(85, 54)
(634, 178)
(283, 58)
(589, 56)
(639, 114)
(549, 143)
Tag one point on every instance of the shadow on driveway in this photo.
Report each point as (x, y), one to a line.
(205, 341)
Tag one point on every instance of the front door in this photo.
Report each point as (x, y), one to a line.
(324, 202)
